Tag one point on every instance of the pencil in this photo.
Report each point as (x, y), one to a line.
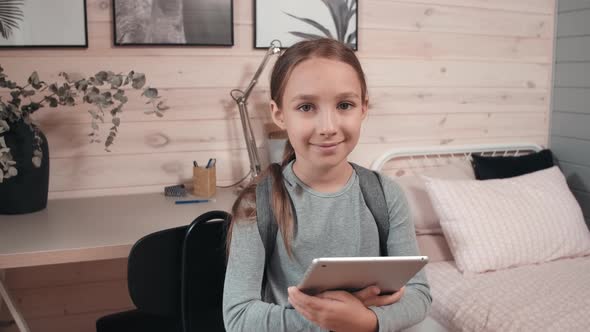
(192, 201)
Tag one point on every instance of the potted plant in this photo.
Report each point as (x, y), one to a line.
(342, 11)
(24, 154)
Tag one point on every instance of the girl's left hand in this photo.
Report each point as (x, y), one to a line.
(370, 296)
(334, 310)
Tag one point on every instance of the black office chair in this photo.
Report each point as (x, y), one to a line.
(204, 273)
(175, 279)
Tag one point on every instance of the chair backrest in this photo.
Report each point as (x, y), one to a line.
(154, 272)
(204, 262)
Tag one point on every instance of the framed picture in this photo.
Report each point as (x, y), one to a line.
(291, 21)
(173, 22)
(41, 23)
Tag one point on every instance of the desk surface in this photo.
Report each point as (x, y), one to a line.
(86, 229)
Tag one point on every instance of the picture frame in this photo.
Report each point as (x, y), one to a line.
(55, 23)
(173, 23)
(290, 21)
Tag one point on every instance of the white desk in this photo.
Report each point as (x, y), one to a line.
(87, 229)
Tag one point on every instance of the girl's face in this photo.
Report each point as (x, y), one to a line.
(322, 112)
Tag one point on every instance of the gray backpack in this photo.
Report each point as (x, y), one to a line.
(371, 189)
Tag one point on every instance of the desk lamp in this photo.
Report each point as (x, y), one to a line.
(241, 98)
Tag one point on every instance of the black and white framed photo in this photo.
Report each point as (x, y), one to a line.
(173, 22)
(43, 23)
(291, 21)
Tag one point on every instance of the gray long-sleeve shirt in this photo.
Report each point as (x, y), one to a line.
(328, 225)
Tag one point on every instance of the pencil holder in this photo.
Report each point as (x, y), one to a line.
(204, 181)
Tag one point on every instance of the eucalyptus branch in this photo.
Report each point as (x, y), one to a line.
(105, 91)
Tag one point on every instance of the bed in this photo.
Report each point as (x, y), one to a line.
(472, 289)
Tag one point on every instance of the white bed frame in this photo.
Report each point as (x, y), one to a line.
(439, 152)
(435, 155)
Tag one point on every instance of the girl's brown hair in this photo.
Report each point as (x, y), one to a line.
(244, 206)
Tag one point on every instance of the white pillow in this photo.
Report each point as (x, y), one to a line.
(423, 214)
(496, 224)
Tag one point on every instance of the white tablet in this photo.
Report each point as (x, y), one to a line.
(354, 273)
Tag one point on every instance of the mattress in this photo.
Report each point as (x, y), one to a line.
(553, 296)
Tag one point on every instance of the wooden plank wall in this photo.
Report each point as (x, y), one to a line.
(439, 72)
(67, 297)
(570, 136)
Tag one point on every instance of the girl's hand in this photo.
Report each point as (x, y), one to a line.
(334, 310)
(369, 296)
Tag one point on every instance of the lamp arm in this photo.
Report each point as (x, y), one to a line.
(241, 98)
(255, 167)
(275, 48)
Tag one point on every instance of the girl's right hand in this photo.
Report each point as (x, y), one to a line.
(369, 296)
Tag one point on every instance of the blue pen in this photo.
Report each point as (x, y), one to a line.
(209, 162)
(192, 201)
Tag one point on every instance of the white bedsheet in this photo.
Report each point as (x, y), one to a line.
(553, 296)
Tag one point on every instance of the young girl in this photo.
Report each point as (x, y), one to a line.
(319, 96)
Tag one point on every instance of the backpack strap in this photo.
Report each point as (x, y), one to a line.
(267, 225)
(372, 190)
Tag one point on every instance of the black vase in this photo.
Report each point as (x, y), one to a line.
(27, 191)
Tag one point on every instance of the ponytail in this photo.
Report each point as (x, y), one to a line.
(244, 207)
(281, 203)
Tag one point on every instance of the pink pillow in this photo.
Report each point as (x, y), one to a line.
(496, 224)
(423, 214)
(434, 246)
